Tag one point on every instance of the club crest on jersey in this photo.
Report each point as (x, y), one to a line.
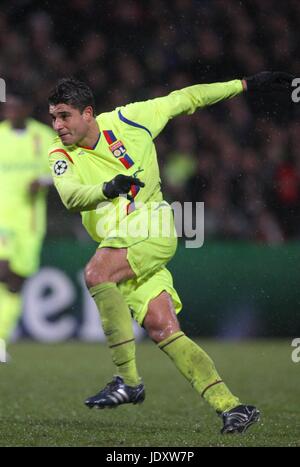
(60, 167)
(118, 149)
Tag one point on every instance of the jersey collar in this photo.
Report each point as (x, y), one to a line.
(91, 148)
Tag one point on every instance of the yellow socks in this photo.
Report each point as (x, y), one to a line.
(198, 368)
(117, 326)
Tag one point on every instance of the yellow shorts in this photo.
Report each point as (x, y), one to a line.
(21, 250)
(147, 255)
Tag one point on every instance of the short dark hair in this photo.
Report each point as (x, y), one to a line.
(72, 92)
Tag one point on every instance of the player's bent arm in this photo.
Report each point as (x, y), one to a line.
(77, 197)
(154, 114)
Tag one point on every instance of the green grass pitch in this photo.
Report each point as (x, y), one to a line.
(43, 388)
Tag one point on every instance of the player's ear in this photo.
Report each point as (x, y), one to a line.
(88, 113)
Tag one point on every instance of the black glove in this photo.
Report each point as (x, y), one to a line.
(269, 81)
(120, 185)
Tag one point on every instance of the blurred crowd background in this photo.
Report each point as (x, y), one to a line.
(241, 157)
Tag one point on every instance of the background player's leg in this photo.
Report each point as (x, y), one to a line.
(10, 300)
(106, 269)
(196, 366)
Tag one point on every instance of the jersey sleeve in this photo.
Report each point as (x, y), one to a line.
(154, 114)
(74, 195)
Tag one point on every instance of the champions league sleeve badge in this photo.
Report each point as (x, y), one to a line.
(60, 167)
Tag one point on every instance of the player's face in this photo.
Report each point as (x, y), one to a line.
(70, 124)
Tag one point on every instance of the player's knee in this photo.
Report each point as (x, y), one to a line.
(159, 331)
(95, 275)
(159, 335)
(161, 321)
(155, 334)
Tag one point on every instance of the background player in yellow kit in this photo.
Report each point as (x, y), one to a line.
(95, 160)
(24, 174)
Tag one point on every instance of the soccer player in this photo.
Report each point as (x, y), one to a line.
(95, 160)
(24, 173)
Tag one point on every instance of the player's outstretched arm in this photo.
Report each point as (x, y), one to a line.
(153, 115)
